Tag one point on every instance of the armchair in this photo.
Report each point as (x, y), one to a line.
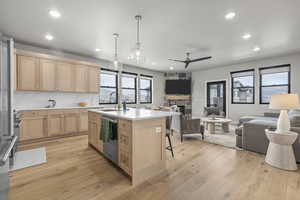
(190, 126)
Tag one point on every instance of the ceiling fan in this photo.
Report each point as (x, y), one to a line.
(187, 61)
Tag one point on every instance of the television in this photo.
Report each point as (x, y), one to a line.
(182, 87)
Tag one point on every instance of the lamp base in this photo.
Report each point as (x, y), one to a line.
(283, 123)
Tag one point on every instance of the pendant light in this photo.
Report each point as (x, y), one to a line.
(137, 53)
(138, 43)
(116, 64)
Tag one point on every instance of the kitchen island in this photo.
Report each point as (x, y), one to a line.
(140, 145)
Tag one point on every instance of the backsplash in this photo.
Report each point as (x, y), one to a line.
(40, 99)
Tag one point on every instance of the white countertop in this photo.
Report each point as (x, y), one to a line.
(136, 114)
(58, 108)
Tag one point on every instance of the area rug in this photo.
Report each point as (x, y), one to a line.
(29, 158)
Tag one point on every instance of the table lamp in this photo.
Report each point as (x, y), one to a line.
(284, 102)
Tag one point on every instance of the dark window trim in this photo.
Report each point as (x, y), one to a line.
(272, 67)
(151, 81)
(232, 86)
(117, 86)
(148, 76)
(135, 87)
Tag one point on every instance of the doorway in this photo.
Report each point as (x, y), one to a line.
(216, 94)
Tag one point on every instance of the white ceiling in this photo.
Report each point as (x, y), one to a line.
(169, 28)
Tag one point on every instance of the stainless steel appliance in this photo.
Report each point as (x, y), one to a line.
(110, 148)
(8, 139)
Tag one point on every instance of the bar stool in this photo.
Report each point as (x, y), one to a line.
(169, 132)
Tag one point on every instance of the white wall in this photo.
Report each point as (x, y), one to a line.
(40, 99)
(234, 111)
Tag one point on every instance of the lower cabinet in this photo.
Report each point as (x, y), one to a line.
(39, 124)
(55, 125)
(94, 131)
(33, 128)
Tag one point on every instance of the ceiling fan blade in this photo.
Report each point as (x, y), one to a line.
(199, 59)
(177, 60)
(186, 65)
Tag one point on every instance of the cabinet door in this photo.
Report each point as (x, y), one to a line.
(70, 123)
(83, 121)
(93, 79)
(47, 75)
(97, 135)
(28, 73)
(55, 125)
(81, 81)
(65, 77)
(92, 134)
(32, 128)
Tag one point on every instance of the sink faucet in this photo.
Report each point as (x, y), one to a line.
(52, 103)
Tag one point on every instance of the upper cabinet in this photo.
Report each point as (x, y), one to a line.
(47, 75)
(65, 77)
(81, 79)
(93, 79)
(28, 73)
(42, 73)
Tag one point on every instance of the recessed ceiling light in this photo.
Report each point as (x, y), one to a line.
(256, 49)
(230, 15)
(246, 36)
(171, 68)
(54, 13)
(153, 63)
(49, 36)
(97, 50)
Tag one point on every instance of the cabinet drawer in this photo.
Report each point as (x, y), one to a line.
(72, 111)
(124, 127)
(94, 117)
(33, 113)
(55, 112)
(125, 142)
(125, 161)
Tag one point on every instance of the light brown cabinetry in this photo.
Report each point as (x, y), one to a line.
(28, 77)
(83, 121)
(125, 147)
(42, 73)
(94, 131)
(65, 77)
(81, 79)
(55, 124)
(141, 145)
(47, 124)
(47, 75)
(32, 128)
(93, 80)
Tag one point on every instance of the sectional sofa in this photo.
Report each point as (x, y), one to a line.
(250, 134)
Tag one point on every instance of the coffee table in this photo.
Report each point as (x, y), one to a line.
(210, 124)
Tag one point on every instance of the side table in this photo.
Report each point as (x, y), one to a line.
(280, 152)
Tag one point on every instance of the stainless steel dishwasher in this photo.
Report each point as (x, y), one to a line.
(110, 148)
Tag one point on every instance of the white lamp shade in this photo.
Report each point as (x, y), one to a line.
(284, 102)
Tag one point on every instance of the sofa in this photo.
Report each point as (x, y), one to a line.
(251, 136)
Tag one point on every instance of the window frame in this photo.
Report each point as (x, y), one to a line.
(117, 86)
(273, 67)
(150, 78)
(135, 86)
(232, 86)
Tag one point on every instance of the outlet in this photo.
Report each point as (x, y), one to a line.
(158, 130)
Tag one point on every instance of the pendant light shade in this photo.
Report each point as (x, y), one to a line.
(116, 64)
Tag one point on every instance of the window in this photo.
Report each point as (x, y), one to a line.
(108, 87)
(145, 89)
(242, 87)
(129, 87)
(274, 80)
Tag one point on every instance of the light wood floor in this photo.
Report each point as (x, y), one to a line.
(199, 171)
